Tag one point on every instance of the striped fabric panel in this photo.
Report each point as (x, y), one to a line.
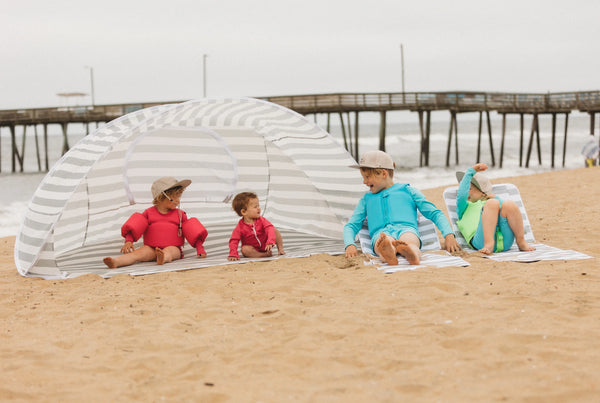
(56, 188)
(299, 172)
(508, 191)
(427, 259)
(541, 252)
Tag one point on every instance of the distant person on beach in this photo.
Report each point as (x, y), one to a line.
(256, 233)
(391, 211)
(488, 223)
(163, 228)
(590, 151)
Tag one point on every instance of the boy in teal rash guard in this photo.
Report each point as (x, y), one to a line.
(391, 211)
(488, 223)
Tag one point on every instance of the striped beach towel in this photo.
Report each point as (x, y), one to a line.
(507, 191)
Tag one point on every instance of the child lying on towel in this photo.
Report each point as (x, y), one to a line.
(163, 228)
(488, 223)
(391, 212)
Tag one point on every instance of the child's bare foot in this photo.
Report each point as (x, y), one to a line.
(486, 250)
(110, 262)
(524, 246)
(386, 250)
(160, 256)
(405, 250)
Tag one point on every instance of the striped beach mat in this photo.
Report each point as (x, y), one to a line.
(508, 191)
(430, 245)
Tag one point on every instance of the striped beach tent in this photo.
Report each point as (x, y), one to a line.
(225, 146)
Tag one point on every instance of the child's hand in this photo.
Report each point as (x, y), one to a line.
(233, 258)
(202, 255)
(269, 247)
(480, 167)
(127, 247)
(451, 245)
(351, 251)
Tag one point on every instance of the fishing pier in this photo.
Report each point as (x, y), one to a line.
(344, 106)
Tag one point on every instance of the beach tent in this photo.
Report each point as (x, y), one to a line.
(224, 146)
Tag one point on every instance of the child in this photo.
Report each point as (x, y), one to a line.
(488, 223)
(162, 226)
(590, 151)
(391, 211)
(257, 234)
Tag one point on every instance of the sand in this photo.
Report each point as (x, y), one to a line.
(323, 328)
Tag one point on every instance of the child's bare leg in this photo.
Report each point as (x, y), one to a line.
(279, 242)
(168, 254)
(408, 246)
(385, 249)
(251, 251)
(511, 212)
(142, 254)
(489, 221)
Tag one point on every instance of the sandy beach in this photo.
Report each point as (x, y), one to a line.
(323, 328)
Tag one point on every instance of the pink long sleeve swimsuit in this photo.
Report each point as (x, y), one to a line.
(259, 235)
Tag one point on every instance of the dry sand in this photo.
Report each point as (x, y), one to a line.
(324, 328)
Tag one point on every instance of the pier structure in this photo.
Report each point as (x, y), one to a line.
(456, 102)
(344, 105)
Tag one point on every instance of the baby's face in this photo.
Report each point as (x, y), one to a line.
(252, 210)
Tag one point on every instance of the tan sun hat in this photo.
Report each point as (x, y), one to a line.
(165, 183)
(375, 159)
(480, 181)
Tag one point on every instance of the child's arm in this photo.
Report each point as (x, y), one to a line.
(352, 228)
(132, 230)
(430, 211)
(270, 230)
(195, 233)
(234, 241)
(462, 194)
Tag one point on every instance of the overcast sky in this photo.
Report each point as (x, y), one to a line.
(149, 51)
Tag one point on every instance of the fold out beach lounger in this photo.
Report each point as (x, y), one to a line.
(507, 191)
(430, 243)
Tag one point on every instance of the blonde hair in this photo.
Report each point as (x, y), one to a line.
(175, 191)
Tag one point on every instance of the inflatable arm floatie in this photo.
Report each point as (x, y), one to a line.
(134, 227)
(195, 233)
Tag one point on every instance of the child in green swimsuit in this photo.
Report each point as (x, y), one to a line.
(488, 223)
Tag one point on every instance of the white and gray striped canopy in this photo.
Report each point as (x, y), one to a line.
(224, 146)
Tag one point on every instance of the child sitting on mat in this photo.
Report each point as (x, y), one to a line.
(163, 228)
(391, 212)
(488, 223)
(257, 234)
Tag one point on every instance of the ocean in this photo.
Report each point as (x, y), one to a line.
(402, 142)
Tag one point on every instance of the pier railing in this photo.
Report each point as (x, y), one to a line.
(460, 101)
(71, 114)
